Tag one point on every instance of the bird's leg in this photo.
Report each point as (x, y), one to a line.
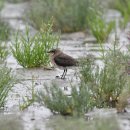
(65, 72)
(62, 76)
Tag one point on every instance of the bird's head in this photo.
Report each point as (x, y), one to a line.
(54, 51)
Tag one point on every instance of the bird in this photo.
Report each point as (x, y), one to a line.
(62, 60)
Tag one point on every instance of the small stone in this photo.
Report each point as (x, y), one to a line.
(32, 119)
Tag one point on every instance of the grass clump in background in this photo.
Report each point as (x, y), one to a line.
(1, 4)
(32, 51)
(106, 84)
(4, 31)
(4, 36)
(69, 15)
(7, 81)
(3, 52)
(100, 29)
(4, 27)
(124, 7)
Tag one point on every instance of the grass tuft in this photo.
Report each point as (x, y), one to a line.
(69, 15)
(124, 7)
(105, 85)
(100, 29)
(32, 51)
(3, 52)
(6, 83)
(54, 98)
(4, 31)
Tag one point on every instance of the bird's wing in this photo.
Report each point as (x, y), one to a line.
(64, 60)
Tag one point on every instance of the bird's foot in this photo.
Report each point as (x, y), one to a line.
(66, 88)
(60, 77)
(63, 78)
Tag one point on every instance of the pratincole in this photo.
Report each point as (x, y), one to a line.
(62, 60)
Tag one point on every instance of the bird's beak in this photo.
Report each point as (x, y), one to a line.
(48, 51)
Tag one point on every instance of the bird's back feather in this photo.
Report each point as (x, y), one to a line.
(65, 60)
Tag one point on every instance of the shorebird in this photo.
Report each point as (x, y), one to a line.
(62, 60)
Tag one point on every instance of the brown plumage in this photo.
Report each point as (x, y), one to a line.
(62, 60)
